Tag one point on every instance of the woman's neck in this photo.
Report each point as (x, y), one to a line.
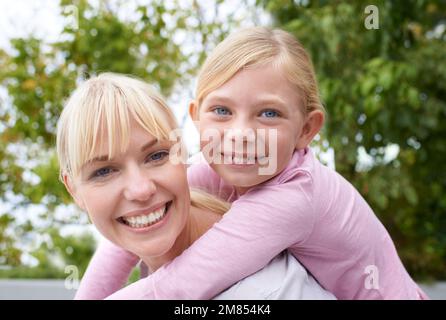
(200, 220)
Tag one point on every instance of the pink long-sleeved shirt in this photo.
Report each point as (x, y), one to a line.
(308, 208)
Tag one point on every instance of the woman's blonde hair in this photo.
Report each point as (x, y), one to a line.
(104, 105)
(258, 46)
(202, 199)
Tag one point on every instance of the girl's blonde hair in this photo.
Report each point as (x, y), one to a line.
(104, 105)
(258, 46)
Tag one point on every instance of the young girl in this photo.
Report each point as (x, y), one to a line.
(262, 79)
(113, 143)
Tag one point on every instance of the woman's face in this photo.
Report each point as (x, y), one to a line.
(139, 200)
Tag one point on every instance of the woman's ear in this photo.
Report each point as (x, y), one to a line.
(313, 124)
(69, 185)
(193, 110)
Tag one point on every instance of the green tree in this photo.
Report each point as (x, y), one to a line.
(385, 87)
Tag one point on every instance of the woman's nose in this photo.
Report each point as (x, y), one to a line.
(139, 187)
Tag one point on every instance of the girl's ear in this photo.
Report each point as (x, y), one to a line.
(69, 185)
(313, 124)
(193, 110)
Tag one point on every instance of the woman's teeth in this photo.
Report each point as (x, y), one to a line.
(146, 220)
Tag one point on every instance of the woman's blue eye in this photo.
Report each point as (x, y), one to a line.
(100, 173)
(221, 111)
(158, 156)
(270, 113)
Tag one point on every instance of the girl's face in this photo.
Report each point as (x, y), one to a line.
(139, 200)
(254, 100)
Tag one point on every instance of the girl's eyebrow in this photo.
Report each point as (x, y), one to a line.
(219, 98)
(271, 100)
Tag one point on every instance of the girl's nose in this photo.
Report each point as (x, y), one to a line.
(139, 187)
(241, 130)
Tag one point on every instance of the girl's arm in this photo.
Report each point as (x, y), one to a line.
(262, 223)
(107, 272)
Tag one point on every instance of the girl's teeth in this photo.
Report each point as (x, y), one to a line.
(238, 160)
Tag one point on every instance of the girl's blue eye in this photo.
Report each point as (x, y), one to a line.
(269, 114)
(221, 111)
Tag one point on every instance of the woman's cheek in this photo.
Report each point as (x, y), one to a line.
(99, 203)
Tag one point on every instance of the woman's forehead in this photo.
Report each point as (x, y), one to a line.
(137, 138)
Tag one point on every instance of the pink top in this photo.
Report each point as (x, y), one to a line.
(308, 208)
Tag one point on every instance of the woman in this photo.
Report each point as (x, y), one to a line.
(117, 162)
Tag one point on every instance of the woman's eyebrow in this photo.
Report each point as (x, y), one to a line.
(105, 157)
(98, 159)
(149, 144)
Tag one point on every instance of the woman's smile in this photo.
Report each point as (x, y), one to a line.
(139, 202)
(146, 219)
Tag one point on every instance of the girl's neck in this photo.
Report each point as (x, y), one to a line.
(200, 220)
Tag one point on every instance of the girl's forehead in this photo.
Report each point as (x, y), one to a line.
(259, 82)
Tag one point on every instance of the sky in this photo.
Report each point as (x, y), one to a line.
(41, 18)
(19, 18)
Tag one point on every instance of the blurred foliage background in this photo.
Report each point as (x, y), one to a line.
(384, 90)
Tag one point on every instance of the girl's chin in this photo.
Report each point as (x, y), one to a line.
(241, 182)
